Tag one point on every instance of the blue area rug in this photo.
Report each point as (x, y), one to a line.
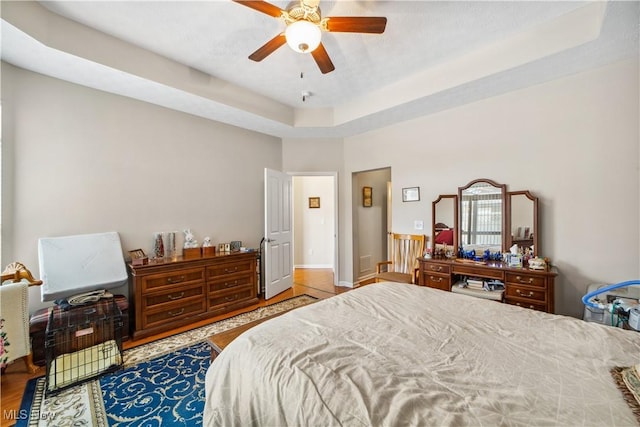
(168, 390)
(162, 383)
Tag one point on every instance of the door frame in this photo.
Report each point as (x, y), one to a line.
(336, 233)
(356, 220)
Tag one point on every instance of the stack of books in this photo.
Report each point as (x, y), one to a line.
(475, 283)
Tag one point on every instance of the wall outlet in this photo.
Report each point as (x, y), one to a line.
(418, 225)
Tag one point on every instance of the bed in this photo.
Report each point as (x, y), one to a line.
(391, 354)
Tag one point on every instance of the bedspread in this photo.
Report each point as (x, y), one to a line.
(391, 354)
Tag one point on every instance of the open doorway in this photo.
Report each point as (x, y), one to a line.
(315, 227)
(370, 221)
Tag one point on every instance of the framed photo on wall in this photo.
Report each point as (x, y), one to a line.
(367, 196)
(314, 202)
(411, 194)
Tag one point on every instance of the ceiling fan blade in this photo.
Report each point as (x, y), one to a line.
(356, 24)
(262, 6)
(322, 59)
(268, 48)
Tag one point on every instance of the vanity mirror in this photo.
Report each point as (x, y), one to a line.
(444, 214)
(522, 220)
(481, 216)
(484, 216)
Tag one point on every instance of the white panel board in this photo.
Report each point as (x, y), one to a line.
(71, 265)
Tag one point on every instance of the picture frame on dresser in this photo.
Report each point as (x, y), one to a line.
(137, 253)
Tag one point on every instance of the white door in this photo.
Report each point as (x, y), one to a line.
(278, 250)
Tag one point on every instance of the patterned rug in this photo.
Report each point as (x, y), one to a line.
(162, 383)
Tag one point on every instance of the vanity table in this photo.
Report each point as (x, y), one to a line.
(524, 287)
(482, 216)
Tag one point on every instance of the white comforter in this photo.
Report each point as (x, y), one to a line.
(393, 354)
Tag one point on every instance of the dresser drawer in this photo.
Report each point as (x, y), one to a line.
(172, 312)
(526, 279)
(171, 279)
(533, 305)
(220, 299)
(484, 272)
(230, 282)
(245, 266)
(170, 296)
(437, 268)
(523, 292)
(438, 282)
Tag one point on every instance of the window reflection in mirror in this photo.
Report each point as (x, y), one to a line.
(481, 215)
(523, 227)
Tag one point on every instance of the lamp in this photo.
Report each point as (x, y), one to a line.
(303, 36)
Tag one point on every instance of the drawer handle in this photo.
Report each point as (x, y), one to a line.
(529, 295)
(170, 280)
(227, 270)
(433, 268)
(172, 298)
(520, 305)
(178, 313)
(232, 298)
(433, 279)
(230, 285)
(519, 279)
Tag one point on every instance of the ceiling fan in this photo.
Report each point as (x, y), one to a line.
(304, 27)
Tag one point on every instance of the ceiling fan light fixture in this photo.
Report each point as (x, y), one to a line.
(303, 36)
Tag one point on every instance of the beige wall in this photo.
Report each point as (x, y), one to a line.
(77, 160)
(573, 142)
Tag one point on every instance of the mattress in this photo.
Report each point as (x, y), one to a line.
(392, 354)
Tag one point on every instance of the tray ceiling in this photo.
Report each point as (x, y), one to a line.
(192, 56)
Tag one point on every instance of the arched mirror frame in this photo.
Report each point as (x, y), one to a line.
(452, 224)
(503, 228)
(535, 227)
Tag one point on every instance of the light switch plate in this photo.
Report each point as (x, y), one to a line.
(418, 225)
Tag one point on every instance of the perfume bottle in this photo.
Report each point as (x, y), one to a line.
(170, 250)
(158, 246)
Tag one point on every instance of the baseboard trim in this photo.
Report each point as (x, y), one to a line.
(314, 266)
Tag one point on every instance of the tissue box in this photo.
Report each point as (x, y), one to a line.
(191, 253)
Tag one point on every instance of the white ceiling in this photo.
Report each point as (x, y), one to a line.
(432, 56)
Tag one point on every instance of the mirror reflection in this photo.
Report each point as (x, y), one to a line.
(444, 213)
(481, 216)
(523, 227)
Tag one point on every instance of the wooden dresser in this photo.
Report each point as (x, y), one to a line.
(523, 287)
(166, 294)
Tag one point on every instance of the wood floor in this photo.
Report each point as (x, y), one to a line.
(314, 282)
